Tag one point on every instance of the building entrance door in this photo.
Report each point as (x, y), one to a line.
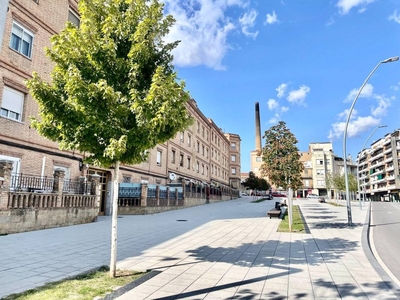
(103, 188)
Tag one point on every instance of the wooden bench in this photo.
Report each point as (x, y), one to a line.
(274, 212)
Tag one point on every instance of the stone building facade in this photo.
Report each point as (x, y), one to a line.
(202, 153)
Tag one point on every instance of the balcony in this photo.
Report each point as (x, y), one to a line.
(386, 142)
(378, 164)
(388, 150)
(390, 168)
(379, 155)
(389, 159)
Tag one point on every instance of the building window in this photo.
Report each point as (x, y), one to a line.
(320, 172)
(12, 104)
(307, 183)
(233, 145)
(198, 126)
(233, 171)
(173, 156)
(207, 153)
(321, 182)
(182, 137)
(202, 131)
(320, 161)
(73, 18)
(207, 135)
(16, 162)
(258, 159)
(126, 179)
(197, 167)
(202, 169)
(189, 140)
(188, 163)
(233, 157)
(21, 40)
(64, 169)
(202, 150)
(159, 155)
(198, 147)
(181, 160)
(206, 171)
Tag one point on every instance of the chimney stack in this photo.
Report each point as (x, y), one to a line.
(258, 130)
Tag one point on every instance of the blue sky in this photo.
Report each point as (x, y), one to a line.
(303, 61)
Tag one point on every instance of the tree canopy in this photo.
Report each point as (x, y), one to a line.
(281, 158)
(253, 182)
(113, 92)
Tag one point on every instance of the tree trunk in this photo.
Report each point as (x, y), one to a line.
(113, 261)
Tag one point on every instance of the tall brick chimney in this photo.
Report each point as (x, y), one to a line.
(258, 129)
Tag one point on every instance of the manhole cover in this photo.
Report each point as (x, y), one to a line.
(182, 220)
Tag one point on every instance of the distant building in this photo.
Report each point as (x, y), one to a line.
(320, 161)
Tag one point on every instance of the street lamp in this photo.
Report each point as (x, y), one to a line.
(346, 179)
(358, 163)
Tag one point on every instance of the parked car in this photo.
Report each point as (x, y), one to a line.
(275, 194)
(315, 196)
(321, 199)
(244, 194)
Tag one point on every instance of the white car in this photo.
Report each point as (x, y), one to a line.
(312, 196)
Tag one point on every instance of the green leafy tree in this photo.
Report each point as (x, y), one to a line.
(281, 158)
(251, 182)
(263, 185)
(113, 93)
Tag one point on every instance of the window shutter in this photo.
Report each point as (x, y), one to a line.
(12, 100)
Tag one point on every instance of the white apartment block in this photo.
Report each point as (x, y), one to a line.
(378, 169)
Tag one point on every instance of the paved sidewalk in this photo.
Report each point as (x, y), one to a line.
(247, 259)
(227, 250)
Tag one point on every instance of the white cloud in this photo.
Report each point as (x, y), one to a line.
(247, 22)
(381, 109)
(284, 108)
(395, 87)
(330, 22)
(281, 89)
(271, 19)
(395, 17)
(203, 27)
(356, 126)
(366, 92)
(275, 119)
(346, 5)
(272, 104)
(298, 96)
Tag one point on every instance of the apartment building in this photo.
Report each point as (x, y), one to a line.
(319, 161)
(203, 153)
(378, 169)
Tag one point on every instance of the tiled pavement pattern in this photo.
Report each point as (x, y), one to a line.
(227, 250)
(247, 259)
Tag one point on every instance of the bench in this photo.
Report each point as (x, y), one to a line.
(274, 212)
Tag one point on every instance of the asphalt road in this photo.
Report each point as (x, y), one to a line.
(385, 234)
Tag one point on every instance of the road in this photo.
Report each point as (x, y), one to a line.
(385, 228)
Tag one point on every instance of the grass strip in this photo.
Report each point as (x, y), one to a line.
(84, 287)
(297, 224)
(259, 200)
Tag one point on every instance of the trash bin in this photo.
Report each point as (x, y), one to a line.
(277, 205)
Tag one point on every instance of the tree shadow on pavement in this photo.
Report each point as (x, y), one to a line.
(272, 259)
(354, 291)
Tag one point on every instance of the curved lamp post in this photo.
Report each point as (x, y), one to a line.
(358, 163)
(346, 179)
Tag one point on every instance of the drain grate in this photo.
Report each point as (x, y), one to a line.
(182, 220)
